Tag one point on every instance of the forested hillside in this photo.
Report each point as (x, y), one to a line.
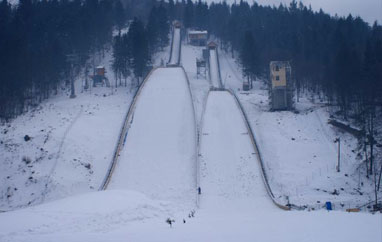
(339, 59)
(44, 44)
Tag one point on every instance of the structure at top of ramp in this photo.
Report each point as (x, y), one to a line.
(159, 154)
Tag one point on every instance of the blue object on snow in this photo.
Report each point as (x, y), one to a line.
(328, 206)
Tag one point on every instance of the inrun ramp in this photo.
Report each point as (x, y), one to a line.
(159, 154)
(214, 69)
(175, 48)
(230, 175)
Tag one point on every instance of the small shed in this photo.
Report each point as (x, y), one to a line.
(212, 45)
(99, 77)
(100, 71)
(176, 24)
(197, 37)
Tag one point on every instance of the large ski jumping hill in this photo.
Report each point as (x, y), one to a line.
(158, 157)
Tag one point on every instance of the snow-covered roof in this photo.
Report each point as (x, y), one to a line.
(197, 32)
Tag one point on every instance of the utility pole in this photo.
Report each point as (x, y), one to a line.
(338, 140)
(72, 59)
(86, 77)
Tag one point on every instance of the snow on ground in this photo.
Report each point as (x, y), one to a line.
(199, 85)
(71, 146)
(176, 43)
(118, 215)
(298, 149)
(159, 156)
(214, 69)
(230, 174)
(125, 215)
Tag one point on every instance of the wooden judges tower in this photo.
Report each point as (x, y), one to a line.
(281, 85)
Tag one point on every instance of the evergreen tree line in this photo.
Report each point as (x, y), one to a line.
(338, 58)
(36, 38)
(133, 50)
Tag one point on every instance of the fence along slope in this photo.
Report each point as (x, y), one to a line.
(123, 133)
(158, 158)
(259, 157)
(231, 177)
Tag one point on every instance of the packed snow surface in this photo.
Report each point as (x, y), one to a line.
(229, 168)
(199, 85)
(214, 69)
(123, 215)
(158, 158)
(174, 59)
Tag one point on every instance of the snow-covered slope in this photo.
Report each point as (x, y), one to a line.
(227, 213)
(71, 145)
(230, 172)
(175, 49)
(158, 158)
(130, 216)
(199, 86)
(298, 149)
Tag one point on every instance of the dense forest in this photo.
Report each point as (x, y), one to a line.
(36, 39)
(43, 44)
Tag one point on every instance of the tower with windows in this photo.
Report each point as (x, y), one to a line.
(281, 85)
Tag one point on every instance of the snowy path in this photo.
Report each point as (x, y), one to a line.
(214, 70)
(175, 49)
(230, 173)
(158, 158)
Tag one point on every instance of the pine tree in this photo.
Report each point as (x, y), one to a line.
(119, 15)
(139, 47)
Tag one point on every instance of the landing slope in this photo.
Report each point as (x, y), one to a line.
(230, 174)
(158, 158)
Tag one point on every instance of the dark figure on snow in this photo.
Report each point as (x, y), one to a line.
(199, 190)
(169, 221)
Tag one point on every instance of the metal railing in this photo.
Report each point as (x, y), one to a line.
(258, 154)
(197, 135)
(123, 133)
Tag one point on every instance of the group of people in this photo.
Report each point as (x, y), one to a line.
(190, 215)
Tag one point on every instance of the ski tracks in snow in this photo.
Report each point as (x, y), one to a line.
(50, 174)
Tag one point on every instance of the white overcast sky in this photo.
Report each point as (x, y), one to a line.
(369, 10)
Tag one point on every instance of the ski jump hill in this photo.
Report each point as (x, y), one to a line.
(161, 154)
(230, 162)
(157, 156)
